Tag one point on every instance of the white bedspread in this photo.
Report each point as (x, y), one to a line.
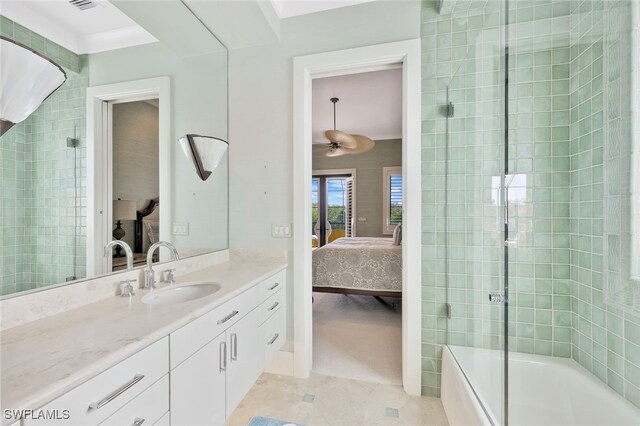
(361, 263)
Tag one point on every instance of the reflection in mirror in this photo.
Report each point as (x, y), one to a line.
(45, 173)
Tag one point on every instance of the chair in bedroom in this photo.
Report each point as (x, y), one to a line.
(335, 234)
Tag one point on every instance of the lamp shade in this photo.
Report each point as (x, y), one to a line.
(124, 210)
(26, 79)
(205, 152)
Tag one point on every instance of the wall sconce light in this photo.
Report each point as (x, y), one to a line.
(27, 79)
(204, 151)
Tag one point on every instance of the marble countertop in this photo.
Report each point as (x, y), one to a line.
(44, 359)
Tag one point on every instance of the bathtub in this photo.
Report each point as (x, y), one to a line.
(542, 391)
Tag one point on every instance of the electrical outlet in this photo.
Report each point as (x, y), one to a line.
(362, 219)
(281, 231)
(180, 228)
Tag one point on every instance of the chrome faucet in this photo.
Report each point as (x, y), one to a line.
(127, 251)
(149, 274)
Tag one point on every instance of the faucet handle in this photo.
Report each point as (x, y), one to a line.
(127, 290)
(169, 277)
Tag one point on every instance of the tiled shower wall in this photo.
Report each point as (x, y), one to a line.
(606, 336)
(43, 188)
(557, 81)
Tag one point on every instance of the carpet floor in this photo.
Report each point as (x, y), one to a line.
(357, 337)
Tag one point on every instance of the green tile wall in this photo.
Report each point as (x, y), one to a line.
(606, 328)
(566, 103)
(42, 242)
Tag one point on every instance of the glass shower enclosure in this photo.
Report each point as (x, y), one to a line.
(536, 117)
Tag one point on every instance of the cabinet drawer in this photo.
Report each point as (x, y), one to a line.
(148, 407)
(271, 305)
(164, 421)
(98, 398)
(271, 285)
(195, 335)
(272, 337)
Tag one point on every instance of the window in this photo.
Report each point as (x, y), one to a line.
(332, 198)
(392, 199)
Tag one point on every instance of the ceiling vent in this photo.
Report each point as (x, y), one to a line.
(83, 4)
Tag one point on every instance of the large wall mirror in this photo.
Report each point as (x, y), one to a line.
(67, 190)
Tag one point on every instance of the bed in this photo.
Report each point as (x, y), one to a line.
(359, 265)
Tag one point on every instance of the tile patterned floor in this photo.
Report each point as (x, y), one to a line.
(324, 400)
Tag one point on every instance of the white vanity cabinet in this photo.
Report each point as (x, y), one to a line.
(217, 358)
(97, 399)
(195, 376)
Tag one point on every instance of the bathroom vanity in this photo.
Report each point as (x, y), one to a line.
(121, 361)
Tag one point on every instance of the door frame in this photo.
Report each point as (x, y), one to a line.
(351, 61)
(100, 161)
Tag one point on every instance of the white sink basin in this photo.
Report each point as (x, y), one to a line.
(180, 293)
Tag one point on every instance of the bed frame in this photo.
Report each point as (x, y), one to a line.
(140, 215)
(375, 293)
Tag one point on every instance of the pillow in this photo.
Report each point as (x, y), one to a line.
(397, 235)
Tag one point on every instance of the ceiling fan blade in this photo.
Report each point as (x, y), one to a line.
(364, 144)
(336, 152)
(320, 142)
(345, 140)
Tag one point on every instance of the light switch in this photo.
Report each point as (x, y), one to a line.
(362, 219)
(281, 231)
(180, 228)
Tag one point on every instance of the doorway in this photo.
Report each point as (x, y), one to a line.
(405, 54)
(100, 194)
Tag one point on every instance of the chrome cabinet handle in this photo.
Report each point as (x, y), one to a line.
(234, 346)
(223, 356)
(116, 393)
(137, 421)
(228, 317)
(274, 286)
(274, 339)
(275, 305)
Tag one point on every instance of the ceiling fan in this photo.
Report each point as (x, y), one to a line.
(341, 143)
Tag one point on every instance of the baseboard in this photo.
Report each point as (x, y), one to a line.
(282, 363)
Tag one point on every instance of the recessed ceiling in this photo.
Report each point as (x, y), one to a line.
(289, 8)
(370, 104)
(93, 30)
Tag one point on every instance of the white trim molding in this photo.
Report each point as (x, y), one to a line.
(305, 69)
(99, 161)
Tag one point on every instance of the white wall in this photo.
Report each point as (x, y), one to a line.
(260, 113)
(199, 105)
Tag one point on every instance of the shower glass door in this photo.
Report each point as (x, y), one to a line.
(475, 206)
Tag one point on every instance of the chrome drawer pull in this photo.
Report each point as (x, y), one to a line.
(274, 286)
(223, 356)
(228, 317)
(113, 395)
(137, 421)
(274, 339)
(275, 305)
(234, 346)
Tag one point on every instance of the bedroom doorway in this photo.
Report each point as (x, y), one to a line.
(133, 128)
(356, 263)
(405, 54)
(101, 218)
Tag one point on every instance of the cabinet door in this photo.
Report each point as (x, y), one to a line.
(243, 364)
(198, 387)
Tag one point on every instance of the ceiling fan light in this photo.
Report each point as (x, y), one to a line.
(341, 138)
(336, 152)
